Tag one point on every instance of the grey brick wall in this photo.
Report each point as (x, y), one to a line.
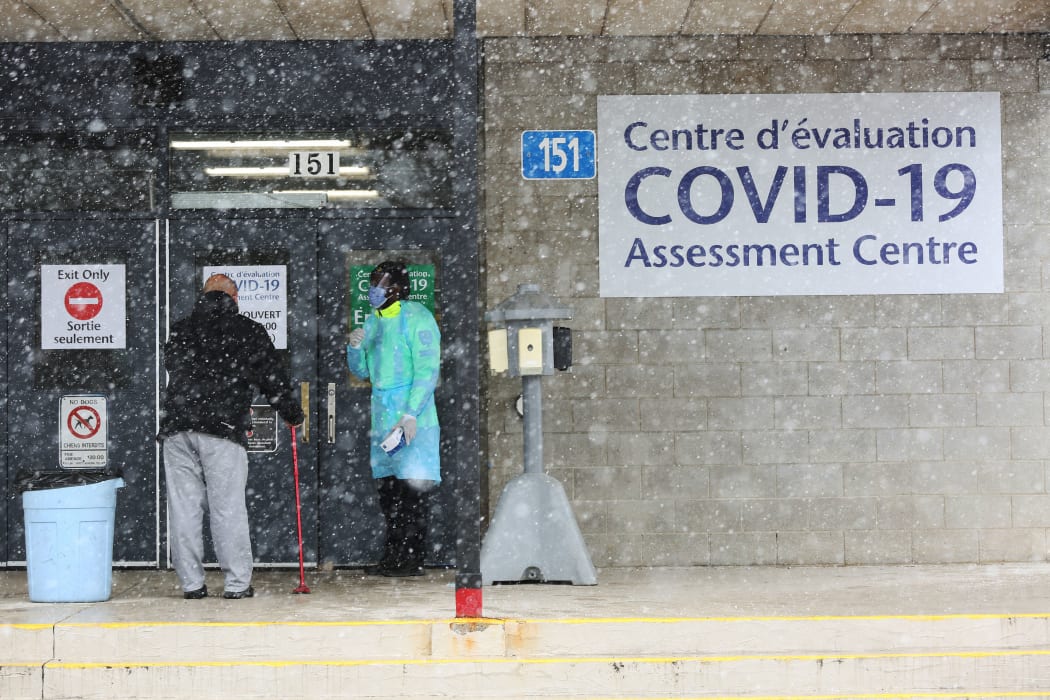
(790, 430)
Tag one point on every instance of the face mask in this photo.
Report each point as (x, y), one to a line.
(376, 296)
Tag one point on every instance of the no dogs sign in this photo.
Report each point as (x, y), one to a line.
(82, 432)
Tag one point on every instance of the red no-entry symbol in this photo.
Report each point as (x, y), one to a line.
(83, 301)
(83, 422)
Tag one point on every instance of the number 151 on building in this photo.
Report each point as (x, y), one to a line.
(557, 155)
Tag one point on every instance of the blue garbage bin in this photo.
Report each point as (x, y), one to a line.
(69, 541)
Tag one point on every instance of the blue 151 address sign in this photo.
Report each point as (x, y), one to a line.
(557, 155)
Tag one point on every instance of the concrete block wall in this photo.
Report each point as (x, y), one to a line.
(778, 430)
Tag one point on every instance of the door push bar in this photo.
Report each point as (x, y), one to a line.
(304, 398)
(331, 413)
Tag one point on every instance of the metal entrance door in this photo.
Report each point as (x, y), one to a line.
(82, 323)
(342, 525)
(351, 527)
(274, 265)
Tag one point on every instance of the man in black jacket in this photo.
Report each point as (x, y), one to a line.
(216, 361)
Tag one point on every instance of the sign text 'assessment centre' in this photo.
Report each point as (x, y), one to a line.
(750, 195)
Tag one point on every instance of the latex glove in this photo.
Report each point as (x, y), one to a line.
(408, 424)
(357, 336)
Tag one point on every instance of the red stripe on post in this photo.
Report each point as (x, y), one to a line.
(468, 602)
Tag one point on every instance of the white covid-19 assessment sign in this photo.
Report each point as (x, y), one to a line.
(262, 295)
(764, 195)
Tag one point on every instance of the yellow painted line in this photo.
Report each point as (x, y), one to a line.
(28, 625)
(793, 618)
(492, 621)
(245, 623)
(871, 696)
(570, 660)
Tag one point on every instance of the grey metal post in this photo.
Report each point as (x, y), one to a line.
(466, 188)
(532, 416)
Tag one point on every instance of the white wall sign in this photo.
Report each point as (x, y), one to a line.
(82, 432)
(82, 307)
(764, 195)
(262, 295)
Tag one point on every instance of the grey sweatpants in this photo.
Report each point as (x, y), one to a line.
(204, 472)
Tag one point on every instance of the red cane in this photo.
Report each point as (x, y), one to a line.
(303, 588)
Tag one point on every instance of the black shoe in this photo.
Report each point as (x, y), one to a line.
(401, 571)
(201, 592)
(248, 592)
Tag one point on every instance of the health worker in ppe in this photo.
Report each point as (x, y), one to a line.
(399, 351)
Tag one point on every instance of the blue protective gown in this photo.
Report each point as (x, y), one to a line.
(401, 356)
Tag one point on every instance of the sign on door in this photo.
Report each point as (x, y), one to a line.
(82, 307)
(262, 295)
(82, 432)
(262, 437)
(421, 282)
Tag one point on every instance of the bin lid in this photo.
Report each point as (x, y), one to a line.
(40, 479)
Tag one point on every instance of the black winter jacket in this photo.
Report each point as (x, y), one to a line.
(217, 360)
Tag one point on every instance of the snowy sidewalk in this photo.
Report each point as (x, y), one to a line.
(621, 592)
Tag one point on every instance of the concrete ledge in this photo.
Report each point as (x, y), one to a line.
(985, 674)
(178, 642)
(783, 635)
(21, 680)
(26, 642)
(148, 642)
(468, 639)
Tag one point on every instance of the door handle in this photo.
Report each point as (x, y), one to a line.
(331, 413)
(304, 398)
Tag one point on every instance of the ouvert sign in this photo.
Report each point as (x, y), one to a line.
(751, 195)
